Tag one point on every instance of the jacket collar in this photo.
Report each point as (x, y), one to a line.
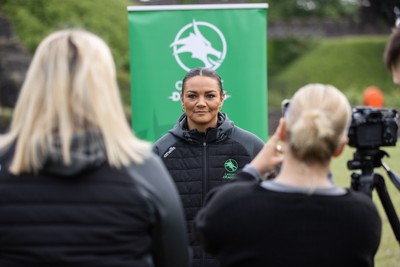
(87, 152)
(213, 134)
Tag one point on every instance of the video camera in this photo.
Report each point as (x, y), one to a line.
(372, 128)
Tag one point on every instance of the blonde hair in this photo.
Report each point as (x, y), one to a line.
(70, 87)
(317, 121)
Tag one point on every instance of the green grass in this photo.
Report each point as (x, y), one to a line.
(389, 250)
(349, 63)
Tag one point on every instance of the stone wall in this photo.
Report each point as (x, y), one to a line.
(14, 61)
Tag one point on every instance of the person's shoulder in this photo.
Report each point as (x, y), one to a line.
(150, 163)
(152, 159)
(149, 172)
(236, 190)
(7, 152)
(230, 193)
(250, 141)
(359, 196)
(360, 199)
(165, 138)
(163, 143)
(245, 136)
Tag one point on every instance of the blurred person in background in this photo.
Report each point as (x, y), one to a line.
(391, 55)
(77, 188)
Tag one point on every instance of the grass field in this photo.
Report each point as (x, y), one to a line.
(349, 63)
(389, 251)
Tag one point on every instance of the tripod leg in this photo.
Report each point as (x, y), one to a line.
(387, 204)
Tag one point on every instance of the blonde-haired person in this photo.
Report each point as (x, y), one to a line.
(77, 188)
(300, 218)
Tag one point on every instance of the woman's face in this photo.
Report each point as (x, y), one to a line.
(201, 101)
(396, 75)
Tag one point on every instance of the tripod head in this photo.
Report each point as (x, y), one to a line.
(366, 160)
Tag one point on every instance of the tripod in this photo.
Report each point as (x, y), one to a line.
(366, 160)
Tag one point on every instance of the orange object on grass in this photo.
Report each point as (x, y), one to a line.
(373, 97)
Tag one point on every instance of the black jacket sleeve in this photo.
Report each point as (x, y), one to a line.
(170, 240)
(211, 206)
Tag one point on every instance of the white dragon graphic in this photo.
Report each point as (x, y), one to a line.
(199, 46)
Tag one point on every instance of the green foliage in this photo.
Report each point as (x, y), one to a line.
(351, 64)
(335, 9)
(34, 20)
(283, 51)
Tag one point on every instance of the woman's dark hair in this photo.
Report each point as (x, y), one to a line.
(202, 72)
(391, 55)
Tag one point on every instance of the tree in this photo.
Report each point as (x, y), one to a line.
(335, 9)
(384, 10)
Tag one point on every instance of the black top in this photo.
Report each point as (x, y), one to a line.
(199, 162)
(269, 224)
(90, 214)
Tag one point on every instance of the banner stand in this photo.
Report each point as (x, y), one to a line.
(167, 41)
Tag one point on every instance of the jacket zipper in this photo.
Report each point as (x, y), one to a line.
(205, 187)
(205, 180)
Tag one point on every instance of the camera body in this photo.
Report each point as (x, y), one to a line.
(372, 128)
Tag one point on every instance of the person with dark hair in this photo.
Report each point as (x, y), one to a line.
(204, 149)
(77, 188)
(391, 55)
(299, 218)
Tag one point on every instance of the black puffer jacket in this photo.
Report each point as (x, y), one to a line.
(199, 162)
(90, 214)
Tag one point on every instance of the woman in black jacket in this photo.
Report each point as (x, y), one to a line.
(204, 149)
(76, 187)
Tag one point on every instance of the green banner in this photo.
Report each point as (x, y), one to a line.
(167, 41)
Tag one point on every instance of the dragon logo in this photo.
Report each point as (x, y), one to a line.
(192, 47)
(231, 165)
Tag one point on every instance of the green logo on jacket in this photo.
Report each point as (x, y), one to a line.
(231, 167)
